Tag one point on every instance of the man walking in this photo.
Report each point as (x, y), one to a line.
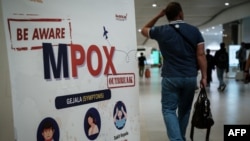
(141, 62)
(210, 66)
(222, 64)
(179, 70)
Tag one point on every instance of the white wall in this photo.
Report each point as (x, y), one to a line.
(246, 30)
(213, 38)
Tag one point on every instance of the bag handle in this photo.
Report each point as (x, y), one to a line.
(202, 94)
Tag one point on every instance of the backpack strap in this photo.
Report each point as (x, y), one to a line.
(184, 37)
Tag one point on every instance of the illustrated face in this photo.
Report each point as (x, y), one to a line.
(48, 133)
(119, 114)
(90, 120)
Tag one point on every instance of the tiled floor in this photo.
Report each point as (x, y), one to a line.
(229, 107)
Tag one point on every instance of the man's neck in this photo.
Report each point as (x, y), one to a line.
(176, 21)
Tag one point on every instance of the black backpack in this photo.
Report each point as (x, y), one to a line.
(202, 116)
(222, 60)
(241, 55)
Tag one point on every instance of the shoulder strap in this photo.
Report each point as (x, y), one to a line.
(185, 38)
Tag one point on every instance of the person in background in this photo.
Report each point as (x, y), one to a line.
(241, 56)
(210, 66)
(246, 70)
(179, 69)
(141, 63)
(222, 64)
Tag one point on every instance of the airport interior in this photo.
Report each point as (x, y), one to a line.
(228, 107)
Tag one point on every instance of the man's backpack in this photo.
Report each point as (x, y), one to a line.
(202, 116)
(222, 60)
(242, 55)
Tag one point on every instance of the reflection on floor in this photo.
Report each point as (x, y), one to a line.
(228, 107)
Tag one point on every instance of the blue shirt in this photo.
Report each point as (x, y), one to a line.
(179, 58)
(120, 123)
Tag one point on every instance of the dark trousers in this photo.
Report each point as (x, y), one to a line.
(141, 70)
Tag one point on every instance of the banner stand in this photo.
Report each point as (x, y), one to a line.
(68, 73)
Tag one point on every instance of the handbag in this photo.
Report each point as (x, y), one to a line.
(202, 115)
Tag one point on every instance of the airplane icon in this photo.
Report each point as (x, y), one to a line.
(105, 33)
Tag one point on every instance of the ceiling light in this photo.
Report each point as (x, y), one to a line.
(154, 4)
(226, 4)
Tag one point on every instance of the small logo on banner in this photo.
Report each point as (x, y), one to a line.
(236, 132)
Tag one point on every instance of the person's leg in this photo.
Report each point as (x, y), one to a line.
(170, 98)
(209, 76)
(185, 103)
(244, 64)
(242, 67)
(220, 76)
(223, 84)
(141, 71)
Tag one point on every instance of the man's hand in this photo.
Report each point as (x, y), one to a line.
(151, 23)
(203, 83)
(162, 13)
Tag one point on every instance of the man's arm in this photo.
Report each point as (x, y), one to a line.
(202, 62)
(151, 23)
(246, 70)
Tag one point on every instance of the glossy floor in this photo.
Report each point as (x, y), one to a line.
(229, 107)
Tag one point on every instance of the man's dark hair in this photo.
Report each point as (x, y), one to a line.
(172, 10)
(48, 125)
(208, 51)
(222, 45)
